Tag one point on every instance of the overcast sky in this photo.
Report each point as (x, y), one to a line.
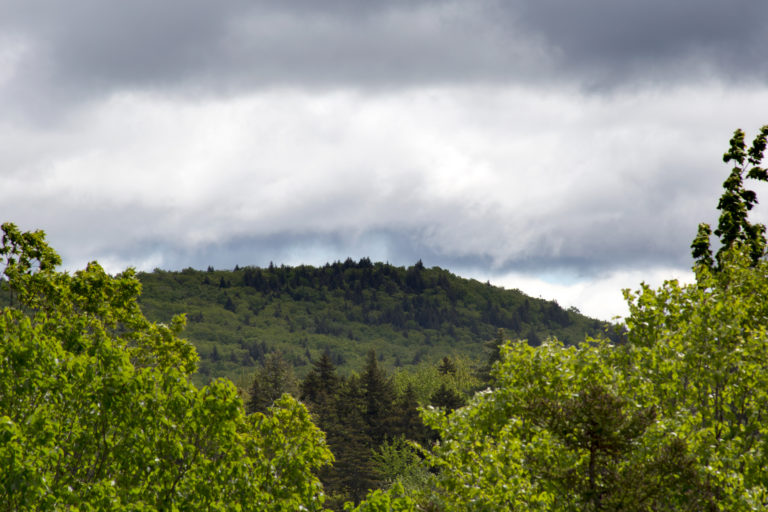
(565, 148)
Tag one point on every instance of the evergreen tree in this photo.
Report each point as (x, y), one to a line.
(446, 366)
(378, 398)
(407, 420)
(735, 203)
(493, 347)
(273, 379)
(321, 384)
(447, 398)
(353, 472)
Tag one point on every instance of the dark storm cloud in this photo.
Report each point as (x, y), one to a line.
(605, 42)
(80, 48)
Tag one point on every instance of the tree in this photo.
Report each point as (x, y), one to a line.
(97, 411)
(353, 472)
(270, 382)
(321, 384)
(493, 347)
(565, 429)
(735, 204)
(378, 399)
(703, 348)
(446, 366)
(447, 398)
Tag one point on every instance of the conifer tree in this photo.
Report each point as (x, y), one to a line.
(406, 418)
(378, 398)
(735, 204)
(321, 384)
(273, 379)
(447, 398)
(353, 472)
(446, 367)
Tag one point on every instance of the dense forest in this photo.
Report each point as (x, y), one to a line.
(345, 309)
(98, 410)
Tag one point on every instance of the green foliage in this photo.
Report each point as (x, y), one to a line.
(392, 500)
(270, 382)
(345, 309)
(425, 379)
(397, 460)
(97, 411)
(565, 429)
(735, 204)
(703, 349)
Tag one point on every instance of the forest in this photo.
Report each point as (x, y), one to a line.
(345, 309)
(99, 410)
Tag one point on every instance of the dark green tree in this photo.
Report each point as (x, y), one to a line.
(321, 384)
(407, 419)
(378, 399)
(610, 475)
(274, 378)
(353, 472)
(735, 204)
(493, 348)
(446, 366)
(447, 398)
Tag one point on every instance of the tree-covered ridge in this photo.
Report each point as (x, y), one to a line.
(346, 309)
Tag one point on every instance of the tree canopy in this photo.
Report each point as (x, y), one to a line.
(97, 411)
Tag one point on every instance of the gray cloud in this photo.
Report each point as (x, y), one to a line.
(71, 51)
(607, 42)
(481, 178)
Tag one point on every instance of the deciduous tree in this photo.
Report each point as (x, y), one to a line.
(97, 411)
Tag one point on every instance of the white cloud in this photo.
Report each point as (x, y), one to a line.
(514, 178)
(599, 297)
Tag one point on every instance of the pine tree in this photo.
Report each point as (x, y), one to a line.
(353, 472)
(493, 347)
(407, 420)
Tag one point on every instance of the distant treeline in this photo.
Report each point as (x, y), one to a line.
(345, 309)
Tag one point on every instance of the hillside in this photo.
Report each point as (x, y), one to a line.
(407, 315)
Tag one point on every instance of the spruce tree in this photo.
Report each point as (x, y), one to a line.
(322, 382)
(273, 379)
(353, 472)
(446, 366)
(378, 398)
(407, 420)
(447, 398)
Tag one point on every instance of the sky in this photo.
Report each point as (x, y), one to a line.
(567, 149)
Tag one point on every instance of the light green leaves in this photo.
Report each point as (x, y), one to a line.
(97, 411)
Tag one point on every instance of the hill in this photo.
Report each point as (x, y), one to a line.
(407, 315)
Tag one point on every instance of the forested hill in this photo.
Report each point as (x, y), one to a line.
(406, 314)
